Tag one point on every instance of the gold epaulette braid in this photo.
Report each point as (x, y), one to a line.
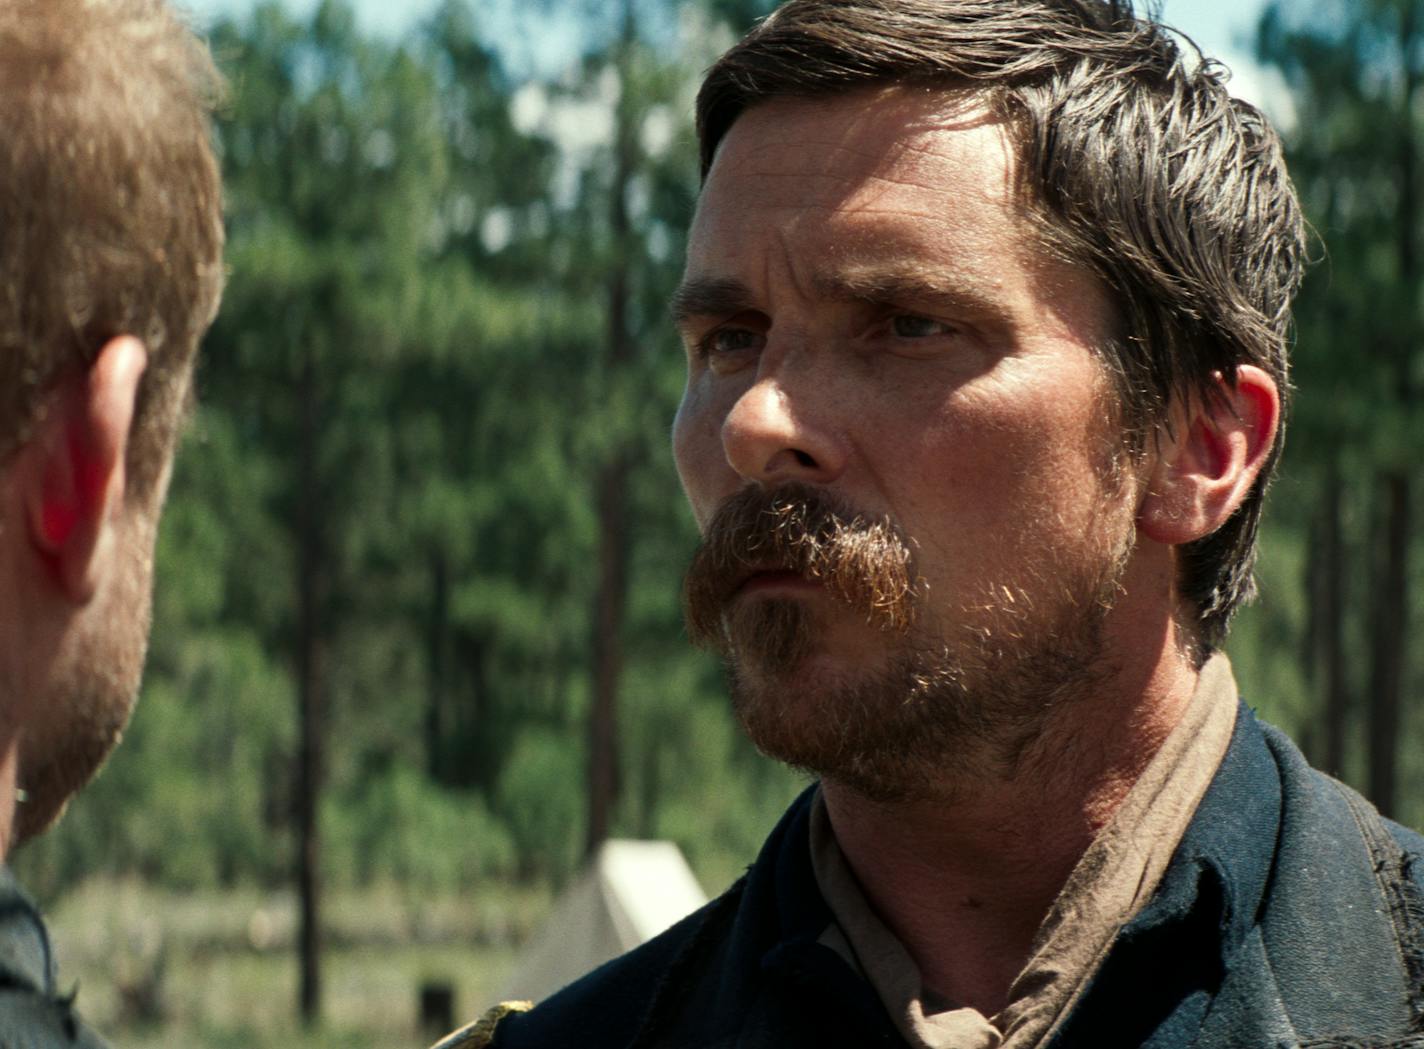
(480, 1034)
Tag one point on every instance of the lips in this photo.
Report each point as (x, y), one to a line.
(768, 579)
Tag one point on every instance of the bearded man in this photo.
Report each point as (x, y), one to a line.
(110, 248)
(986, 310)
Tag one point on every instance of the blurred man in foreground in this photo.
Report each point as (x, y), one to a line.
(110, 251)
(986, 310)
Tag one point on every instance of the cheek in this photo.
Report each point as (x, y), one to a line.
(996, 471)
(697, 452)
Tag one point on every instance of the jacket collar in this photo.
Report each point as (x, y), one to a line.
(1202, 916)
(1167, 965)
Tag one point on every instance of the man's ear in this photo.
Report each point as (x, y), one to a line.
(73, 466)
(1205, 469)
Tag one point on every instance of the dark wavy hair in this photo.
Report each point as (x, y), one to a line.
(1143, 166)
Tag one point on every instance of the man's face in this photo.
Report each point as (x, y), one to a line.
(870, 320)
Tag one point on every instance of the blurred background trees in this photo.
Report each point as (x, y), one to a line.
(1355, 71)
(416, 627)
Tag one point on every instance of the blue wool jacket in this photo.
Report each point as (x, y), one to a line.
(33, 1015)
(1291, 915)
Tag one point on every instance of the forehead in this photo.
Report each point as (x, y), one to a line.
(893, 158)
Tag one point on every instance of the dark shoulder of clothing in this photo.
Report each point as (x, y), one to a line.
(746, 970)
(1290, 915)
(33, 1015)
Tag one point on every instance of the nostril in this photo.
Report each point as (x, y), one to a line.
(803, 458)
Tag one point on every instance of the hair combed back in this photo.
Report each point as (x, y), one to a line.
(1143, 166)
(110, 206)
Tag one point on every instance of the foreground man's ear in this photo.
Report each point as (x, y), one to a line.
(1206, 467)
(72, 468)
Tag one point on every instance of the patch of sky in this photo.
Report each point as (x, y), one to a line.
(541, 39)
(1225, 30)
(541, 42)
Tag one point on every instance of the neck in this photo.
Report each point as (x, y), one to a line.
(964, 876)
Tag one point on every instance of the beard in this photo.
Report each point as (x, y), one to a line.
(89, 697)
(952, 702)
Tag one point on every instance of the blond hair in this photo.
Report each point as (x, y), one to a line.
(110, 206)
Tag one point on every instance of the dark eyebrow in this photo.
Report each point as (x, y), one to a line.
(892, 286)
(723, 296)
(708, 297)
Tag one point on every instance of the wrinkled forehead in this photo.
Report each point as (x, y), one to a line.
(855, 138)
(873, 164)
(931, 107)
(903, 169)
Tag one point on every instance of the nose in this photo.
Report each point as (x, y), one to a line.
(769, 438)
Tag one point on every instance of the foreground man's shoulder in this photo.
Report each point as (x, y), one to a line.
(1320, 794)
(32, 1014)
(30, 1019)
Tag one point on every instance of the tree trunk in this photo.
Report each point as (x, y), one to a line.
(612, 482)
(650, 788)
(1322, 642)
(1408, 217)
(439, 684)
(472, 749)
(1390, 634)
(1330, 622)
(310, 692)
(608, 655)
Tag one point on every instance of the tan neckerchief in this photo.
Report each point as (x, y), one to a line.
(1110, 884)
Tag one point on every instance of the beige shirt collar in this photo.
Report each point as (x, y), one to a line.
(1110, 884)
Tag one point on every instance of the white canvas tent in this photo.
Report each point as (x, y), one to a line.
(632, 891)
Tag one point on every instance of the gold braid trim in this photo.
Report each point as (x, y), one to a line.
(480, 1034)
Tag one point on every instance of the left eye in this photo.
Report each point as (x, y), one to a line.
(909, 326)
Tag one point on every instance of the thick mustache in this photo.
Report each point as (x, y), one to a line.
(865, 563)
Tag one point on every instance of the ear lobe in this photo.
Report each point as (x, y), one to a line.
(1205, 470)
(74, 471)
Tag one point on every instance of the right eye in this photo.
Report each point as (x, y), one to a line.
(733, 340)
(727, 349)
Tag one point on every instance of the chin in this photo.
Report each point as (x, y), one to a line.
(63, 754)
(916, 718)
(836, 718)
(88, 704)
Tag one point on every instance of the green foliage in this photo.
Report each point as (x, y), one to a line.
(540, 793)
(399, 828)
(1265, 646)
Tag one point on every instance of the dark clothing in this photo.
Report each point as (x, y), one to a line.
(32, 1014)
(1290, 915)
